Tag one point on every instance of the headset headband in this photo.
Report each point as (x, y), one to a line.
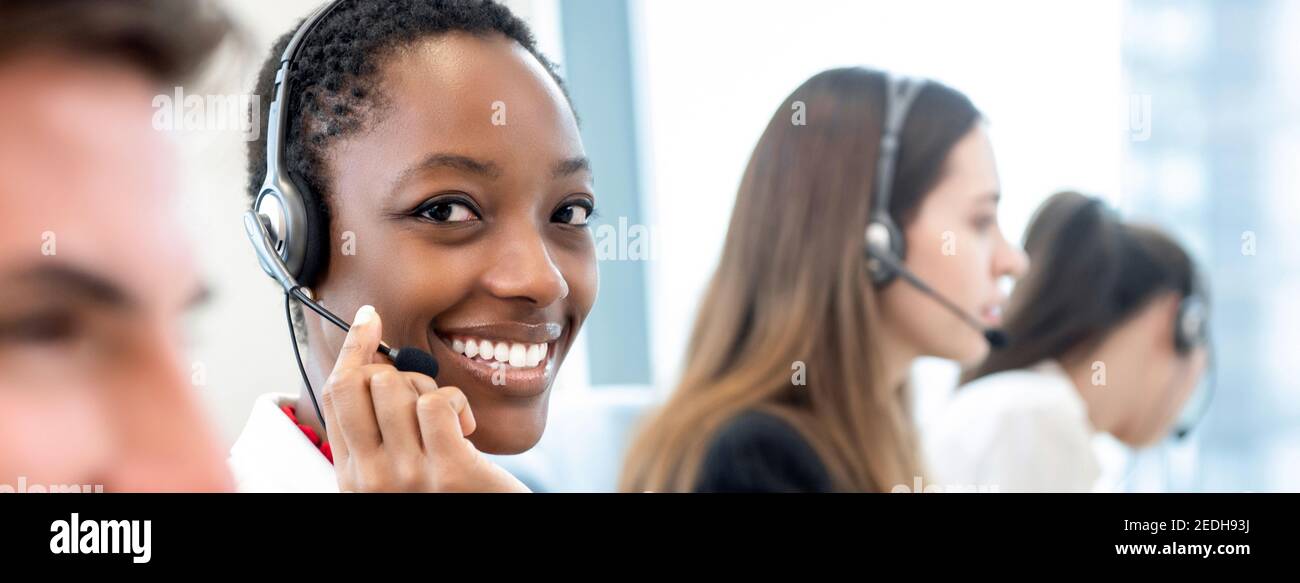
(900, 93)
(276, 122)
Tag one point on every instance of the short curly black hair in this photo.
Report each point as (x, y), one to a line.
(334, 89)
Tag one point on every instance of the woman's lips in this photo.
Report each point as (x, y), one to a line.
(991, 315)
(516, 358)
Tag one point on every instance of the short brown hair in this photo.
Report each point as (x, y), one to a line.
(169, 40)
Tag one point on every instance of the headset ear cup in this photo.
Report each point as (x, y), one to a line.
(883, 237)
(1181, 345)
(316, 256)
(1189, 324)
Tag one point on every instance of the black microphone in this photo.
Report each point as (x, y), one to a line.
(995, 337)
(405, 359)
(412, 359)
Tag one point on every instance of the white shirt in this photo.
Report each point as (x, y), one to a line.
(273, 455)
(1015, 431)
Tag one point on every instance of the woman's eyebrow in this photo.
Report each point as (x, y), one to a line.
(485, 168)
(571, 166)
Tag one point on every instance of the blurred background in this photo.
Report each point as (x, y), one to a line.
(1183, 114)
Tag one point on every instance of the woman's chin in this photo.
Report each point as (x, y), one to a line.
(975, 354)
(504, 445)
(966, 348)
(509, 432)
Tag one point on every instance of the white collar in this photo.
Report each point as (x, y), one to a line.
(1065, 388)
(273, 455)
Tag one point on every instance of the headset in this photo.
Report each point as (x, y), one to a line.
(885, 245)
(295, 221)
(287, 227)
(1191, 330)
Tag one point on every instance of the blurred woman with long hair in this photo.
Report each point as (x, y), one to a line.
(796, 373)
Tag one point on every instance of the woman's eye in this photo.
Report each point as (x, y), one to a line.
(448, 212)
(983, 224)
(573, 214)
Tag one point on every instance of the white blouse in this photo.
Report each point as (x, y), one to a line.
(273, 455)
(1023, 430)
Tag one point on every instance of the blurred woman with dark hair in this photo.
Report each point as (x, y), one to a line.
(1107, 335)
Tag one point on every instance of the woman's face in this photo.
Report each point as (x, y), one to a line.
(956, 246)
(460, 215)
(1163, 379)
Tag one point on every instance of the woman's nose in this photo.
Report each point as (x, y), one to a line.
(525, 270)
(1011, 260)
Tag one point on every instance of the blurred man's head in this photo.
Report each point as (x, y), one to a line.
(95, 274)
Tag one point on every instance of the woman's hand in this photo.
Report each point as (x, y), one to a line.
(393, 431)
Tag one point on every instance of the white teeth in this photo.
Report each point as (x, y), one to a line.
(515, 354)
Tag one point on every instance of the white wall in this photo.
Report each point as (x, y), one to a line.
(1047, 75)
(240, 339)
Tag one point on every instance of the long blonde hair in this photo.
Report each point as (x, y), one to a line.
(791, 292)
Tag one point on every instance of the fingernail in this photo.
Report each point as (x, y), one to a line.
(365, 315)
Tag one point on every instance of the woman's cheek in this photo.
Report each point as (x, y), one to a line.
(1187, 373)
(591, 283)
(980, 272)
(1157, 409)
(581, 272)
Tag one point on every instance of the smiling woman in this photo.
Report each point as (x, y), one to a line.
(439, 149)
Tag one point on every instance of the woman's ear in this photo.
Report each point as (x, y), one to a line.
(1158, 320)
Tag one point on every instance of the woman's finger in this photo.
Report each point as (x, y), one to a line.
(423, 385)
(394, 400)
(445, 420)
(347, 397)
(334, 433)
(362, 341)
